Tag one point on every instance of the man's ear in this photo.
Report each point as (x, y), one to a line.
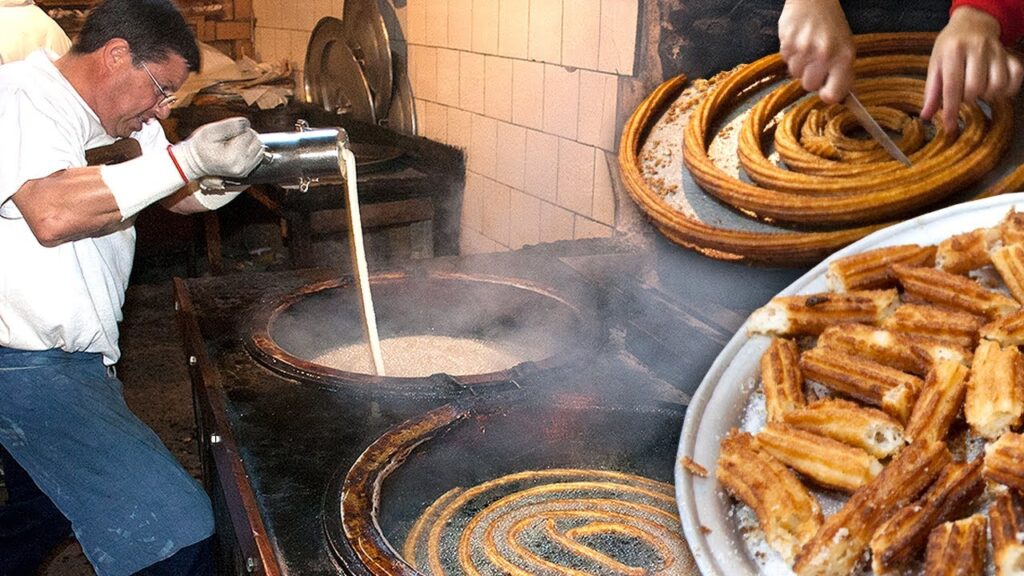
(116, 54)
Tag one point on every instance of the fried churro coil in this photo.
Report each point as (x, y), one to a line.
(1008, 330)
(839, 544)
(1009, 262)
(1011, 228)
(781, 379)
(961, 253)
(1004, 461)
(938, 403)
(957, 548)
(883, 346)
(870, 382)
(953, 291)
(995, 390)
(906, 532)
(933, 323)
(871, 430)
(1006, 523)
(870, 270)
(786, 510)
(823, 460)
(812, 313)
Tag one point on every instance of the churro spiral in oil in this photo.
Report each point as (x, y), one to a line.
(828, 173)
(560, 522)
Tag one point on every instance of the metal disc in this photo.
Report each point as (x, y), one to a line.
(334, 78)
(367, 36)
(402, 114)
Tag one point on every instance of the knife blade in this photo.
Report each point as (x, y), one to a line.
(871, 126)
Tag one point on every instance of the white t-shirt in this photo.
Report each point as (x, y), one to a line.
(68, 296)
(24, 28)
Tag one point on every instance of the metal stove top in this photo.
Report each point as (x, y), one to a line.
(275, 450)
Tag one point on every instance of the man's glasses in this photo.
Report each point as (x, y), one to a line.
(167, 99)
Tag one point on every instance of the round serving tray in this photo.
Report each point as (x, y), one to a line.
(367, 36)
(717, 543)
(689, 217)
(333, 77)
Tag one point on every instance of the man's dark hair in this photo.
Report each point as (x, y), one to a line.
(154, 29)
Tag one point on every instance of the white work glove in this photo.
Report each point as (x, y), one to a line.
(224, 148)
(213, 193)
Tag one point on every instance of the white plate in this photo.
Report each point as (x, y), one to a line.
(720, 401)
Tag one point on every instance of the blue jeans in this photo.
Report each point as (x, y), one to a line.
(130, 503)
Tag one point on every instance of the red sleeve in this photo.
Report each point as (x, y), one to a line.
(1009, 13)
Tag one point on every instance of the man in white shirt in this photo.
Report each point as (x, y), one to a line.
(24, 28)
(67, 247)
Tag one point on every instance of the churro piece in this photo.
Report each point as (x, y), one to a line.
(869, 429)
(933, 323)
(839, 544)
(961, 253)
(892, 349)
(870, 382)
(1006, 523)
(785, 509)
(995, 390)
(1008, 330)
(870, 270)
(823, 460)
(1009, 262)
(957, 548)
(1011, 228)
(953, 291)
(1004, 461)
(812, 313)
(781, 379)
(906, 532)
(938, 403)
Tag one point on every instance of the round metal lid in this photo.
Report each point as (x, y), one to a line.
(402, 114)
(367, 36)
(333, 77)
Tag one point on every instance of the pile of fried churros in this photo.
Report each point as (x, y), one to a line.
(914, 358)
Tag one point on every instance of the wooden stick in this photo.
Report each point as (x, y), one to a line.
(355, 237)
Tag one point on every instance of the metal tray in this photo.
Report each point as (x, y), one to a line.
(367, 36)
(333, 77)
(723, 397)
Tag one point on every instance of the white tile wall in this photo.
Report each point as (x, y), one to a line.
(604, 192)
(527, 88)
(618, 36)
(525, 220)
(497, 211)
(544, 37)
(485, 26)
(555, 223)
(483, 146)
(583, 25)
(513, 27)
(511, 157)
(528, 93)
(541, 180)
(561, 100)
(598, 103)
(575, 177)
(460, 24)
(449, 63)
(498, 88)
(437, 22)
(471, 82)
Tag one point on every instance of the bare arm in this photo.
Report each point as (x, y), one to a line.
(816, 43)
(55, 215)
